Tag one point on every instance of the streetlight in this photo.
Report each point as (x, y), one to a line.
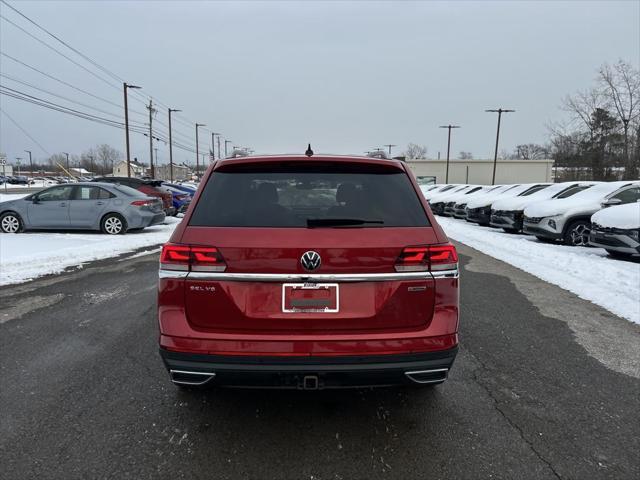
(126, 123)
(389, 145)
(30, 162)
(171, 110)
(69, 174)
(198, 148)
(446, 178)
(499, 111)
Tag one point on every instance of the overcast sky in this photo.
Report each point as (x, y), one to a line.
(345, 76)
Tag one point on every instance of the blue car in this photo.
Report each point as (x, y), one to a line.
(180, 198)
(191, 191)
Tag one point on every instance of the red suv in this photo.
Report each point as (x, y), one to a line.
(308, 272)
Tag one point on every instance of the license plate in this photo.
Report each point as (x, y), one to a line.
(310, 297)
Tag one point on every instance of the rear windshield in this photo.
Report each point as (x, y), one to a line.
(131, 192)
(328, 196)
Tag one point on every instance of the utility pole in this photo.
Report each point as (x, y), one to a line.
(226, 142)
(198, 149)
(93, 174)
(18, 164)
(499, 111)
(67, 162)
(152, 111)
(126, 87)
(389, 145)
(446, 178)
(171, 110)
(30, 162)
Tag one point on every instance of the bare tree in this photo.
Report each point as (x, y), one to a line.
(531, 151)
(621, 84)
(415, 151)
(107, 156)
(465, 155)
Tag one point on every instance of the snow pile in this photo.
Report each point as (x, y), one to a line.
(587, 272)
(589, 199)
(25, 256)
(5, 197)
(621, 216)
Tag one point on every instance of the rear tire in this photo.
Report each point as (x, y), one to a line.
(113, 224)
(577, 233)
(10, 222)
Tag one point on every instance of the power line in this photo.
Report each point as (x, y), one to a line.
(63, 82)
(77, 113)
(105, 70)
(14, 79)
(58, 52)
(25, 132)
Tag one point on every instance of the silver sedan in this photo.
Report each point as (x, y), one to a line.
(111, 208)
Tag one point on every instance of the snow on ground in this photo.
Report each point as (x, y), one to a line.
(25, 256)
(587, 272)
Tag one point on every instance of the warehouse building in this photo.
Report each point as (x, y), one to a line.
(479, 172)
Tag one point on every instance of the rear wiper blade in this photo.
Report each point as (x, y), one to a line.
(340, 222)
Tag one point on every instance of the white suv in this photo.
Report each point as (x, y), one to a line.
(569, 219)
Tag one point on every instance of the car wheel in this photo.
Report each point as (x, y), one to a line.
(10, 222)
(113, 224)
(577, 233)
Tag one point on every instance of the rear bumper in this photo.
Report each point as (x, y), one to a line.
(308, 373)
(618, 242)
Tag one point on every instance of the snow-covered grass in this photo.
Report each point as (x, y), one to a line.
(587, 272)
(26, 256)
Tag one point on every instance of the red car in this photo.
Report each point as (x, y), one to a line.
(308, 272)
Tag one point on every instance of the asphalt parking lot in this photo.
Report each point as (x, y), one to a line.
(546, 386)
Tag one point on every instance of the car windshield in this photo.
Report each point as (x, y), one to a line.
(329, 196)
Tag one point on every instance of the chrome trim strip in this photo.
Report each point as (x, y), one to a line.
(436, 370)
(309, 277)
(182, 382)
(172, 274)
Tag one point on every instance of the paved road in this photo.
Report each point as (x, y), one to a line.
(546, 386)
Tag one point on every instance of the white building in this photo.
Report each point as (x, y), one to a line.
(479, 172)
(120, 169)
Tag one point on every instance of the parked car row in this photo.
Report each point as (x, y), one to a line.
(602, 214)
(110, 207)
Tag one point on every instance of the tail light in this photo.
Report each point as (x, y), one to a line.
(142, 203)
(191, 258)
(428, 258)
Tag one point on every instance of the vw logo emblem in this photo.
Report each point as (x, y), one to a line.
(310, 260)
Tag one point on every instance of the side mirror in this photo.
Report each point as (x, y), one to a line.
(35, 199)
(611, 202)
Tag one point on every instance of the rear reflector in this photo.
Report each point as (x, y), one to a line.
(191, 258)
(427, 258)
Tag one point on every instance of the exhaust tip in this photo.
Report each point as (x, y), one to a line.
(437, 375)
(185, 377)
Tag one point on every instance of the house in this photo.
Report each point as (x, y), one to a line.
(180, 172)
(120, 169)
